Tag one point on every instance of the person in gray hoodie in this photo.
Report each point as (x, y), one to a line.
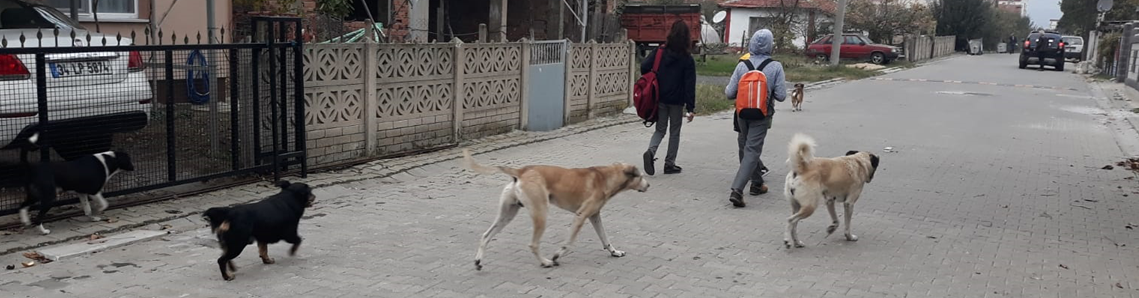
(752, 132)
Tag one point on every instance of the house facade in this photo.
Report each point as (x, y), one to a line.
(185, 18)
(744, 17)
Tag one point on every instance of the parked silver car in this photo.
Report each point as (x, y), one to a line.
(1073, 47)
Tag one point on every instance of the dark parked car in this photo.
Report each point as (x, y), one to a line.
(854, 46)
(1043, 48)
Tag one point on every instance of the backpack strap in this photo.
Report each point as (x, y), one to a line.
(751, 67)
(659, 54)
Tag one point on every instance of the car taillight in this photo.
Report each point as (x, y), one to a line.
(1061, 44)
(11, 68)
(1025, 43)
(135, 62)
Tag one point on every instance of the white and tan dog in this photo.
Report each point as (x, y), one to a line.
(815, 179)
(582, 191)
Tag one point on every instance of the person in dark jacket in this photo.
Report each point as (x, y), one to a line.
(677, 78)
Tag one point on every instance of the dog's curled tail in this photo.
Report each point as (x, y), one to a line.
(470, 163)
(800, 151)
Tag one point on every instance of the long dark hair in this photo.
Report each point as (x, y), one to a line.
(679, 38)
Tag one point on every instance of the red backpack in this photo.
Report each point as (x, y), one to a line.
(646, 93)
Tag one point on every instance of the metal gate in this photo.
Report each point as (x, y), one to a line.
(547, 70)
(184, 111)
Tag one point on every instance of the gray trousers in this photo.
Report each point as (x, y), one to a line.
(669, 117)
(751, 136)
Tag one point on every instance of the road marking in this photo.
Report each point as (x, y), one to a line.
(975, 83)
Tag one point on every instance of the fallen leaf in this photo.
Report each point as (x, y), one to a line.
(11, 267)
(111, 220)
(28, 264)
(931, 237)
(95, 236)
(1062, 266)
(1093, 201)
(1118, 285)
(167, 227)
(1108, 167)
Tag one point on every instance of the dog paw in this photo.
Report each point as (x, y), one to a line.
(617, 253)
(45, 231)
(227, 277)
(478, 265)
(787, 244)
(831, 229)
(95, 218)
(799, 244)
(851, 237)
(268, 261)
(548, 263)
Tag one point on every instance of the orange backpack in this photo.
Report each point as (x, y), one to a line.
(753, 98)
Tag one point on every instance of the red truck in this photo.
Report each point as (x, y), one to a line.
(648, 25)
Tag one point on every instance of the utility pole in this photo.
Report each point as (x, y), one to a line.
(75, 10)
(837, 38)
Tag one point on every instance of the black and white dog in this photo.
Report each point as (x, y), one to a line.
(86, 176)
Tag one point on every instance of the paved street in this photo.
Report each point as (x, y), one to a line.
(993, 191)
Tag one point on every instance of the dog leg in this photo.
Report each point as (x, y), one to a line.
(226, 259)
(295, 240)
(539, 206)
(804, 211)
(847, 213)
(834, 217)
(595, 220)
(508, 208)
(587, 210)
(263, 251)
(40, 220)
(102, 202)
(86, 204)
(24, 218)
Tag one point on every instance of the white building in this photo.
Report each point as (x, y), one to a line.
(747, 16)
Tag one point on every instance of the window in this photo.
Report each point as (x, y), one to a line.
(107, 8)
(756, 23)
(852, 40)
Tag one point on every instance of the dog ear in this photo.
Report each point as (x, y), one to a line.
(123, 161)
(851, 152)
(632, 171)
(283, 184)
(873, 168)
(874, 160)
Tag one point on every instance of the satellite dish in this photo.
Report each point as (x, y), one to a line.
(720, 15)
(1103, 5)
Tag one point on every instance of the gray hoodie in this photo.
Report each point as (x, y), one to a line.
(760, 48)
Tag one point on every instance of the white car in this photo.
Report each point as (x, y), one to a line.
(90, 95)
(1073, 47)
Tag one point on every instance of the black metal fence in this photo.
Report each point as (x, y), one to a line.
(185, 112)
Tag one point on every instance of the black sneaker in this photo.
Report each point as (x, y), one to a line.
(758, 189)
(649, 169)
(737, 199)
(671, 169)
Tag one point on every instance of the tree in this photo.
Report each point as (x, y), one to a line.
(1079, 16)
(785, 27)
(966, 19)
(884, 20)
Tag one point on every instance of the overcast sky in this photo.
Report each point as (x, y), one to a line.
(1040, 11)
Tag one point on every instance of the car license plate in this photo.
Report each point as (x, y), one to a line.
(80, 68)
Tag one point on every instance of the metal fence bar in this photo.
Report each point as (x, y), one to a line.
(171, 161)
(234, 96)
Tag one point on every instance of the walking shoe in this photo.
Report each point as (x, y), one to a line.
(758, 189)
(649, 169)
(764, 171)
(737, 199)
(671, 169)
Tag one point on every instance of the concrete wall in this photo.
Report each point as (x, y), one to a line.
(366, 100)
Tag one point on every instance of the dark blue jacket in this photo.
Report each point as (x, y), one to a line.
(676, 76)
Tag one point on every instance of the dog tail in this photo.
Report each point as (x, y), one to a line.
(470, 163)
(800, 152)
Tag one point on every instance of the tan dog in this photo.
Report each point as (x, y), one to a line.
(815, 179)
(582, 191)
(797, 97)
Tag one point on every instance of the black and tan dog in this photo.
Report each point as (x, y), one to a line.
(582, 191)
(268, 221)
(814, 179)
(797, 97)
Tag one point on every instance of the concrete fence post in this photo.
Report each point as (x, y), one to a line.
(524, 81)
(371, 140)
(457, 108)
(1124, 52)
(590, 94)
(567, 85)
